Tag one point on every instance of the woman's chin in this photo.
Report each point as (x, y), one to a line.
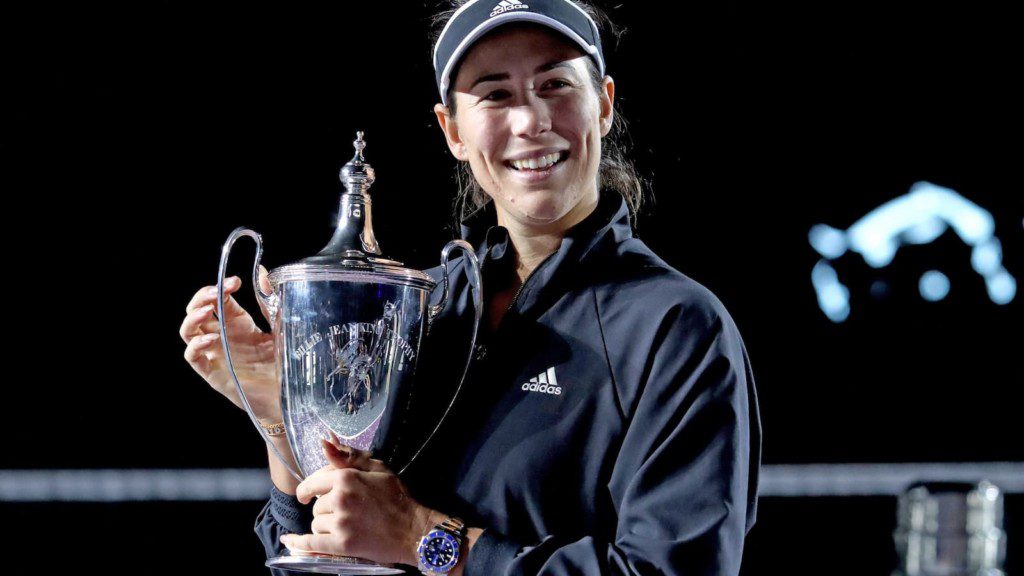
(541, 210)
(544, 210)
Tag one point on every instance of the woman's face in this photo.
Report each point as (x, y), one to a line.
(524, 92)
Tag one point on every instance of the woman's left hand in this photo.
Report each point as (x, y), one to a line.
(362, 509)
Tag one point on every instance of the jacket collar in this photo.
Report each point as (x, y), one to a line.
(604, 228)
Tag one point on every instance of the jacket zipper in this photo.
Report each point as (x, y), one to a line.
(481, 349)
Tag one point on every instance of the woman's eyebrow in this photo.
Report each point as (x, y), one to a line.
(505, 76)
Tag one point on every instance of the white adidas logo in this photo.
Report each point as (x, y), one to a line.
(545, 382)
(507, 5)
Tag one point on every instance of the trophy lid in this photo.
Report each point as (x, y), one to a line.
(353, 253)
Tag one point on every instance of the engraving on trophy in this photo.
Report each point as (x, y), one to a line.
(305, 347)
(350, 369)
(357, 350)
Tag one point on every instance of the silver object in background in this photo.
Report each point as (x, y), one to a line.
(347, 325)
(950, 529)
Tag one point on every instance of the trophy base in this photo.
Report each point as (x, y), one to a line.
(329, 564)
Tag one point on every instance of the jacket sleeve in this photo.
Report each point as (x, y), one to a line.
(283, 514)
(684, 482)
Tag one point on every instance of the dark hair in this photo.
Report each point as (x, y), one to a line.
(616, 170)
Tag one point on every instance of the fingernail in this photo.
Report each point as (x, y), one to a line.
(210, 337)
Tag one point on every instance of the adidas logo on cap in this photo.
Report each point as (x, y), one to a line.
(545, 382)
(508, 5)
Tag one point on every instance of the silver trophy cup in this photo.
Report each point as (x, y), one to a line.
(347, 325)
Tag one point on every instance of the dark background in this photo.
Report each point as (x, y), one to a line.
(137, 136)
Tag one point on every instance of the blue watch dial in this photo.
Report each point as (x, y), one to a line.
(439, 551)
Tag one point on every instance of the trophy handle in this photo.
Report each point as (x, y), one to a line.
(476, 286)
(270, 300)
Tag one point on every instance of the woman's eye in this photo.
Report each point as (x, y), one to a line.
(558, 84)
(496, 95)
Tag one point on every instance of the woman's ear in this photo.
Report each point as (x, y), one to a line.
(451, 131)
(607, 99)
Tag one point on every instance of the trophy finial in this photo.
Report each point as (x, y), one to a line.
(357, 175)
(359, 144)
(353, 238)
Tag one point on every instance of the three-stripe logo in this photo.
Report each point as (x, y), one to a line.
(545, 382)
(507, 5)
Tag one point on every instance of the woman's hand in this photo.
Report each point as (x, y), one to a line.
(362, 509)
(252, 350)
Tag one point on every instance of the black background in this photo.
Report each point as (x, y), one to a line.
(137, 136)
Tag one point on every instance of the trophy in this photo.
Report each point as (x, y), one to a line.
(347, 325)
(950, 529)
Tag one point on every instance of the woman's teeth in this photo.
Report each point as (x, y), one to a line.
(537, 163)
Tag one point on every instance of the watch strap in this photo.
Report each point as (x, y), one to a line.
(454, 525)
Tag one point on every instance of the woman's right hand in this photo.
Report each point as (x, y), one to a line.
(252, 350)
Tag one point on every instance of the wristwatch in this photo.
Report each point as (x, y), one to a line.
(439, 548)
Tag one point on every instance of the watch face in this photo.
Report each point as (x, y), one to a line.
(439, 551)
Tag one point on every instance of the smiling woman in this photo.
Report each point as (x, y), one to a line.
(609, 421)
(529, 127)
(616, 171)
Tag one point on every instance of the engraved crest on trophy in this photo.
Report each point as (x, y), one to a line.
(356, 352)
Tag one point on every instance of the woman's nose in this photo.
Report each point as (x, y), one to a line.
(530, 118)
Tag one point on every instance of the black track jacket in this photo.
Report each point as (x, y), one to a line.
(608, 426)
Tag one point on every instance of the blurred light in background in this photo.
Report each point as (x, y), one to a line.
(934, 286)
(919, 217)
